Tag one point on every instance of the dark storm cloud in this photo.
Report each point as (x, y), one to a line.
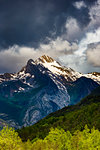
(29, 22)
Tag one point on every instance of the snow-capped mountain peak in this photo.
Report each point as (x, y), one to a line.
(68, 73)
(56, 68)
(44, 59)
(46, 62)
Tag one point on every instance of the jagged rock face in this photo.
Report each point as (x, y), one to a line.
(44, 59)
(41, 87)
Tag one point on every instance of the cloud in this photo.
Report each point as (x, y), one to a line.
(58, 47)
(81, 59)
(76, 29)
(73, 61)
(30, 22)
(73, 30)
(90, 37)
(78, 63)
(79, 5)
(12, 59)
(86, 58)
(93, 55)
(94, 13)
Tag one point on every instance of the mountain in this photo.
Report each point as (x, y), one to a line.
(70, 118)
(53, 67)
(40, 88)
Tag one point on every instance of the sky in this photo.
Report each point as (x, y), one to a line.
(67, 30)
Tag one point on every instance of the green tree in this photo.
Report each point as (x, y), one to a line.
(9, 139)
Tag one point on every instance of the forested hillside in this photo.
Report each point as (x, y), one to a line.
(70, 118)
